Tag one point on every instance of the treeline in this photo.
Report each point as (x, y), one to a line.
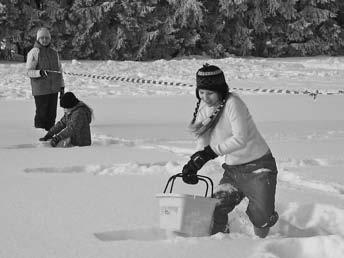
(156, 29)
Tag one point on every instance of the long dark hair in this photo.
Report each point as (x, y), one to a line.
(202, 127)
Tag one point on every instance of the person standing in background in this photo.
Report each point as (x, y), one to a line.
(45, 72)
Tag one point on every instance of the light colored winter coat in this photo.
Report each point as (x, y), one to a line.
(235, 135)
(45, 58)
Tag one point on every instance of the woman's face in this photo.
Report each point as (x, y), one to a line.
(210, 98)
(44, 40)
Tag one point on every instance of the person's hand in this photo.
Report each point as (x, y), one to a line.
(43, 73)
(189, 174)
(55, 140)
(47, 137)
(199, 158)
(195, 163)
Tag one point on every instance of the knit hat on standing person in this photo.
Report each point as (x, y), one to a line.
(211, 77)
(68, 100)
(43, 32)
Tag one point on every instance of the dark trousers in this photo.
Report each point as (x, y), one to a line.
(255, 180)
(46, 106)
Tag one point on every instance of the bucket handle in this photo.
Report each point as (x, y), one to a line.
(205, 179)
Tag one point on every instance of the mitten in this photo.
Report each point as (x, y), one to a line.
(43, 73)
(189, 174)
(199, 158)
(55, 140)
(195, 163)
(47, 137)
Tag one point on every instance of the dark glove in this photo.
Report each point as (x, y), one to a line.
(195, 163)
(47, 137)
(189, 174)
(43, 73)
(199, 158)
(55, 140)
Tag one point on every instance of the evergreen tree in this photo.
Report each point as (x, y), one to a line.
(14, 27)
(153, 29)
(278, 27)
(177, 28)
(21, 20)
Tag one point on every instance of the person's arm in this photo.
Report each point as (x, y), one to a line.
(78, 120)
(238, 115)
(201, 156)
(31, 63)
(59, 126)
(202, 141)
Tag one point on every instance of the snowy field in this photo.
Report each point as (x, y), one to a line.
(99, 201)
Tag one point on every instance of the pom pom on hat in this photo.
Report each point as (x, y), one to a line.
(68, 100)
(211, 77)
(43, 32)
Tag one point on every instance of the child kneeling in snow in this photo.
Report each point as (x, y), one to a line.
(74, 127)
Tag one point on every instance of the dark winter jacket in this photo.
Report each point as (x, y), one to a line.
(75, 125)
(47, 59)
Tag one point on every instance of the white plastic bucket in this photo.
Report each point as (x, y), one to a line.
(188, 215)
(184, 214)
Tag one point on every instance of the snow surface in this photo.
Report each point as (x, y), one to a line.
(99, 201)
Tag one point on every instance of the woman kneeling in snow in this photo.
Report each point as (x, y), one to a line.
(74, 127)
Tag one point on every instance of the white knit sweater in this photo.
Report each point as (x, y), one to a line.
(235, 134)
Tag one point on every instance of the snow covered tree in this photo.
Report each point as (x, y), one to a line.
(275, 27)
(313, 30)
(113, 29)
(153, 29)
(21, 19)
(15, 29)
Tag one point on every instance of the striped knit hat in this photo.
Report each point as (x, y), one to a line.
(211, 77)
